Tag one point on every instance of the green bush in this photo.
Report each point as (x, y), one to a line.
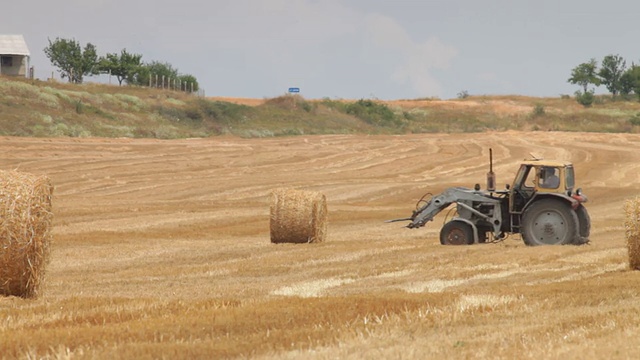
(223, 111)
(373, 113)
(463, 94)
(538, 111)
(585, 99)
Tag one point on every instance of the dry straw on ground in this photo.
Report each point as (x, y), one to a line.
(298, 216)
(632, 231)
(25, 222)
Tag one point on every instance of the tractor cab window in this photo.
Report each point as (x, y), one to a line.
(570, 177)
(548, 178)
(523, 188)
(525, 179)
(530, 178)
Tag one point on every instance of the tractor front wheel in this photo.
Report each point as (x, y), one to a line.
(585, 224)
(550, 222)
(456, 233)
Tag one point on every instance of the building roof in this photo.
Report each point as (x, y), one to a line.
(13, 45)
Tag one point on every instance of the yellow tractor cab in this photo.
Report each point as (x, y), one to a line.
(537, 178)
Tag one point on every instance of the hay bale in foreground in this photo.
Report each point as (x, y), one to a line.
(25, 222)
(632, 231)
(298, 216)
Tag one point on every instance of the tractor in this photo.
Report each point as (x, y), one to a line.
(542, 204)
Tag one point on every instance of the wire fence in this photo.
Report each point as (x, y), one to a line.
(176, 84)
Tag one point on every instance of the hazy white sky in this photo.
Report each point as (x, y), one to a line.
(345, 48)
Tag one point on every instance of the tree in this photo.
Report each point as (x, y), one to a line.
(613, 66)
(631, 80)
(122, 66)
(627, 82)
(153, 74)
(188, 82)
(585, 74)
(161, 73)
(140, 76)
(71, 60)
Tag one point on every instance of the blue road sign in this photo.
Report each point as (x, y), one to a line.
(294, 90)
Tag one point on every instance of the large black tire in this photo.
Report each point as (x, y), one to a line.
(550, 222)
(456, 233)
(585, 224)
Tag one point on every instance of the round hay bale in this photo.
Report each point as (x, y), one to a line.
(298, 216)
(25, 222)
(632, 231)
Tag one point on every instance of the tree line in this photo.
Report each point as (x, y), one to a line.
(74, 62)
(613, 73)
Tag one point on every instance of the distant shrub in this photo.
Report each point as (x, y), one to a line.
(336, 105)
(171, 113)
(193, 114)
(287, 102)
(135, 101)
(538, 111)
(635, 120)
(222, 111)
(307, 106)
(176, 102)
(585, 99)
(373, 112)
(463, 94)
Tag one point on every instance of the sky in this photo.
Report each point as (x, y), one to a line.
(344, 49)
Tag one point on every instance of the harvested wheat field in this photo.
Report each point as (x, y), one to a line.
(161, 249)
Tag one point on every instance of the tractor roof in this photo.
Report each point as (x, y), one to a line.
(540, 162)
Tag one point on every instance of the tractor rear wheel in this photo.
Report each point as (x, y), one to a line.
(456, 232)
(550, 222)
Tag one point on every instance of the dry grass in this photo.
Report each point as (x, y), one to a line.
(162, 251)
(298, 216)
(632, 231)
(25, 223)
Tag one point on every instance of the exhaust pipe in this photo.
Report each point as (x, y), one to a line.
(491, 177)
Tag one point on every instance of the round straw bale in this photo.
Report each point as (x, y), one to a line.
(632, 231)
(25, 222)
(298, 216)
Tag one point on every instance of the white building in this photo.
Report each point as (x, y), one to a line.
(14, 55)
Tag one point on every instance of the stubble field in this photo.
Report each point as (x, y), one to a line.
(161, 250)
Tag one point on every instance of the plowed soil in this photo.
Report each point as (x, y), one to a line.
(162, 249)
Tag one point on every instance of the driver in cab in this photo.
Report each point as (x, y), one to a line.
(548, 178)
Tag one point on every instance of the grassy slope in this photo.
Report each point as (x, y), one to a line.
(34, 108)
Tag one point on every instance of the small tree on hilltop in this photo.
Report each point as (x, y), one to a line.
(122, 66)
(72, 61)
(153, 74)
(188, 82)
(585, 74)
(613, 66)
(630, 81)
